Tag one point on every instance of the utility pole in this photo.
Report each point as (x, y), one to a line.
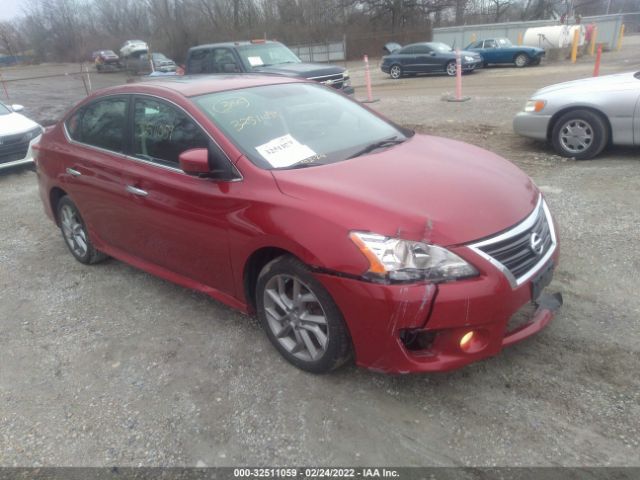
(608, 7)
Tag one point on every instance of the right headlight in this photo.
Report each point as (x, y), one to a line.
(534, 105)
(400, 260)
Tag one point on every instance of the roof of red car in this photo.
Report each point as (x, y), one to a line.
(192, 85)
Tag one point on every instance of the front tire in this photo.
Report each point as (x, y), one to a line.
(521, 60)
(75, 234)
(581, 134)
(451, 68)
(300, 318)
(395, 72)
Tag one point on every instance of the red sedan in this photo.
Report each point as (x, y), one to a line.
(348, 236)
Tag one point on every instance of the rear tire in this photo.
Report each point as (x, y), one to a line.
(300, 318)
(581, 134)
(75, 233)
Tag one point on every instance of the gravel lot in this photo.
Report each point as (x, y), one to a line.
(107, 365)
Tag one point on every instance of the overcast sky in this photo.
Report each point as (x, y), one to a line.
(10, 8)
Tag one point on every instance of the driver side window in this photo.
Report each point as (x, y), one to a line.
(490, 44)
(162, 132)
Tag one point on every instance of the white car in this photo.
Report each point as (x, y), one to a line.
(18, 134)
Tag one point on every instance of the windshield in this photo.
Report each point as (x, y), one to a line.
(280, 126)
(266, 54)
(440, 47)
(505, 42)
(4, 110)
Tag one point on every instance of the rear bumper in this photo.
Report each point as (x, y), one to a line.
(531, 125)
(379, 316)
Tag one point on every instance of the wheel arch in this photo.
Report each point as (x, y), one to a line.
(55, 195)
(521, 52)
(556, 116)
(252, 268)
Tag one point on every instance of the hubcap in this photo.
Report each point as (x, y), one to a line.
(395, 72)
(451, 69)
(576, 136)
(73, 231)
(296, 318)
(521, 61)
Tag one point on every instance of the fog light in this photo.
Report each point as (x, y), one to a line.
(465, 341)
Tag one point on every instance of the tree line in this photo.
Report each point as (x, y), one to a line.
(69, 30)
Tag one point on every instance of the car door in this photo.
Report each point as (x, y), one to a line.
(92, 161)
(408, 59)
(490, 51)
(176, 221)
(425, 61)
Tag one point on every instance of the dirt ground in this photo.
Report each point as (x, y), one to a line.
(107, 365)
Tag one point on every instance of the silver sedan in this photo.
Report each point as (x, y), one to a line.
(582, 117)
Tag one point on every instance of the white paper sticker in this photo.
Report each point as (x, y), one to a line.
(255, 61)
(284, 151)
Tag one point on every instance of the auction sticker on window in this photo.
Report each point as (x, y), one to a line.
(284, 151)
(255, 61)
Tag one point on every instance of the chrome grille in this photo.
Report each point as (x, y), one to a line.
(13, 147)
(522, 250)
(335, 80)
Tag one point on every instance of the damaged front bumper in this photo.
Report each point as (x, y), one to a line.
(425, 327)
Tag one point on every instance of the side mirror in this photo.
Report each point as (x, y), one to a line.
(229, 68)
(195, 161)
(17, 108)
(208, 162)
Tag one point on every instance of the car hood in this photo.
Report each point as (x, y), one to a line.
(305, 70)
(607, 83)
(12, 123)
(426, 189)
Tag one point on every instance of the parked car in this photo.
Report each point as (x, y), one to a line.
(501, 50)
(580, 118)
(133, 48)
(141, 65)
(263, 56)
(345, 233)
(426, 57)
(18, 134)
(106, 60)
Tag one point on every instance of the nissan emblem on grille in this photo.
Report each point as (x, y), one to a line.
(536, 243)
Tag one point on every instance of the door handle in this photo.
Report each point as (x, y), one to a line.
(137, 191)
(73, 173)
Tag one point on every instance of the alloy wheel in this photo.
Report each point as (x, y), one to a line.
(395, 72)
(296, 317)
(74, 231)
(576, 136)
(452, 69)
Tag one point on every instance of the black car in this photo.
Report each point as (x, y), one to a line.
(263, 56)
(426, 57)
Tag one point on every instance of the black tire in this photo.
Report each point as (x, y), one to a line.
(450, 68)
(90, 255)
(521, 60)
(585, 121)
(338, 344)
(395, 71)
(536, 61)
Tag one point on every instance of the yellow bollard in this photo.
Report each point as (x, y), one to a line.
(519, 38)
(574, 45)
(620, 37)
(592, 44)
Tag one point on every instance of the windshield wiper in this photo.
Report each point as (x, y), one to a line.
(303, 164)
(389, 142)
